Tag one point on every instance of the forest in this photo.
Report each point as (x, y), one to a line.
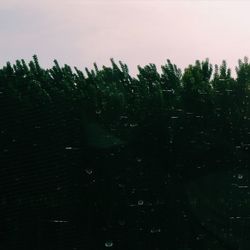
(99, 159)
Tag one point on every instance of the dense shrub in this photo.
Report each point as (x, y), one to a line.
(59, 123)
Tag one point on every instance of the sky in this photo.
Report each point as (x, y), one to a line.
(137, 32)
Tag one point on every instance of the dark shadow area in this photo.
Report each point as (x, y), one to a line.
(106, 161)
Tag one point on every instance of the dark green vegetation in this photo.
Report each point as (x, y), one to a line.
(101, 159)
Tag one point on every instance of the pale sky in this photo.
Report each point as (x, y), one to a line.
(137, 32)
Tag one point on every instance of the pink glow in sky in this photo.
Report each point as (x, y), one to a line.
(137, 32)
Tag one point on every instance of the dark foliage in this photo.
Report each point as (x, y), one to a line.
(78, 149)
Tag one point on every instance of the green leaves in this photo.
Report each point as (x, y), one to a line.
(111, 90)
(198, 109)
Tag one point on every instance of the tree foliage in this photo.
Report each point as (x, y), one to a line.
(61, 123)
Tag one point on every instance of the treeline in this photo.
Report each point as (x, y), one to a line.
(72, 142)
(189, 115)
(111, 90)
(212, 97)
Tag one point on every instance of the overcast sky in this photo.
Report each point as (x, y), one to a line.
(81, 32)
